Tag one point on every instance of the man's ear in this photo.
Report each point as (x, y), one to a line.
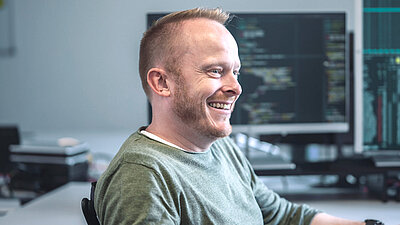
(157, 80)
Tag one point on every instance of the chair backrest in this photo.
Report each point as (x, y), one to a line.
(9, 135)
(87, 206)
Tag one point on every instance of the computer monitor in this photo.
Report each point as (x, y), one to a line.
(380, 127)
(294, 73)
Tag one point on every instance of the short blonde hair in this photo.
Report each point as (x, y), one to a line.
(160, 43)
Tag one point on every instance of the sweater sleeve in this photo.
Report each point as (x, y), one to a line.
(277, 210)
(135, 194)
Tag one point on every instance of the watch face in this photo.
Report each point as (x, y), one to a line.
(373, 222)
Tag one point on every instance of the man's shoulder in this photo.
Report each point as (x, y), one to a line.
(140, 149)
(226, 144)
(229, 148)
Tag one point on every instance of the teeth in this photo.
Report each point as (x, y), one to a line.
(220, 105)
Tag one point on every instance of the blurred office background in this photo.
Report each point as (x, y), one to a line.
(73, 69)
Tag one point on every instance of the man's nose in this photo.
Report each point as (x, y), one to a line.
(232, 85)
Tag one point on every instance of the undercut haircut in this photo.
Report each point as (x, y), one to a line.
(161, 44)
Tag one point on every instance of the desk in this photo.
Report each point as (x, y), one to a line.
(356, 166)
(62, 206)
(388, 212)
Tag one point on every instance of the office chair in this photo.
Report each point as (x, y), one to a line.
(9, 135)
(87, 206)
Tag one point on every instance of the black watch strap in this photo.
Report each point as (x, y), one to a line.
(373, 222)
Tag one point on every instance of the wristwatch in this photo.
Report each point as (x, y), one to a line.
(373, 222)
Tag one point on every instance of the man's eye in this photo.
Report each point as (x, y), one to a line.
(216, 73)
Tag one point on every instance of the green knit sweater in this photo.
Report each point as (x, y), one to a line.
(152, 183)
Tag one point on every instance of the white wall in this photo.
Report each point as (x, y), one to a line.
(76, 62)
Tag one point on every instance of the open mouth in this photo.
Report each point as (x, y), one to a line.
(220, 105)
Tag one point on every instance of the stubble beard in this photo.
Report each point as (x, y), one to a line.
(192, 112)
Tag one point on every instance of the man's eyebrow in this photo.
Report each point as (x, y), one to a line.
(219, 64)
(212, 64)
(208, 66)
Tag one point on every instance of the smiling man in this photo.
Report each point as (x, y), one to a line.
(193, 94)
(182, 168)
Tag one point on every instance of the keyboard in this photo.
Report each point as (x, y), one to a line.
(271, 163)
(386, 160)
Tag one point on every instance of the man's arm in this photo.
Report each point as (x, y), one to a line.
(300, 213)
(134, 194)
(326, 219)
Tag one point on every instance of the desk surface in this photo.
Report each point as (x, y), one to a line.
(62, 206)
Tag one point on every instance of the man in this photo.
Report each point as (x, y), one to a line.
(182, 168)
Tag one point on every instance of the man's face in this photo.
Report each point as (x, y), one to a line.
(207, 88)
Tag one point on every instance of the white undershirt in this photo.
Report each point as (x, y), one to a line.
(157, 138)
